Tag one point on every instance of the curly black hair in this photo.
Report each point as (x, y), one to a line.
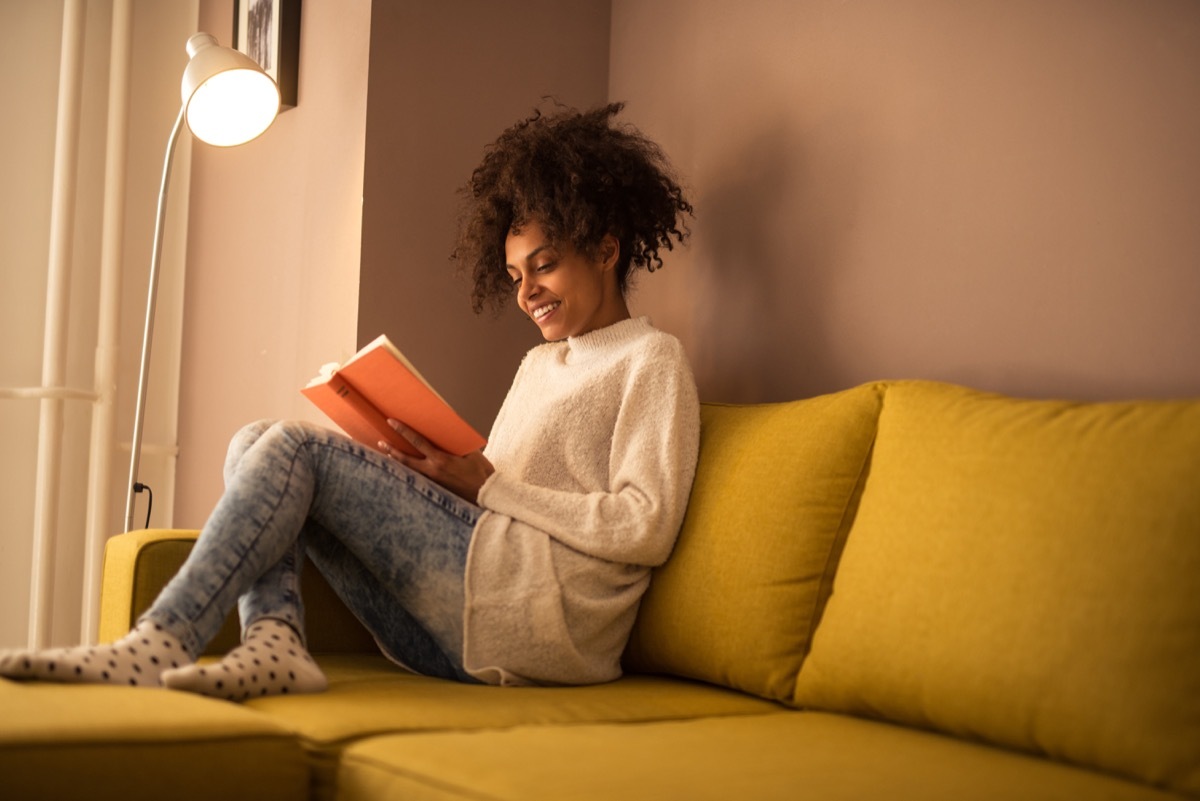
(580, 176)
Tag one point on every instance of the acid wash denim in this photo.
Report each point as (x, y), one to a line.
(391, 543)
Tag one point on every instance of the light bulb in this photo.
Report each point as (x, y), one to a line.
(233, 107)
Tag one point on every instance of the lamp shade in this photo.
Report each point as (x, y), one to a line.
(227, 98)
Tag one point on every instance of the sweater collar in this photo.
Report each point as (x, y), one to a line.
(603, 339)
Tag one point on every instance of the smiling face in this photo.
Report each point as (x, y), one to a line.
(563, 291)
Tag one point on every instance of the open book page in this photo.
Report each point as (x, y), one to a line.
(378, 383)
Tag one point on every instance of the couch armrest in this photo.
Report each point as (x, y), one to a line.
(137, 564)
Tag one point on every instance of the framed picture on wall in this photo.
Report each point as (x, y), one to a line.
(269, 32)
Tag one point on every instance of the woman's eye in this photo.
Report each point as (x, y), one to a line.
(547, 267)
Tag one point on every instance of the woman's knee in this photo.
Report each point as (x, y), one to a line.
(241, 442)
(278, 436)
(277, 432)
(296, 431)
(287, 436)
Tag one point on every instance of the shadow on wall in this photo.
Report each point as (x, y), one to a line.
(776, 217)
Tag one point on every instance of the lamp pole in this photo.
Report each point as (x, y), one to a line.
(148, 330)
(227, 100)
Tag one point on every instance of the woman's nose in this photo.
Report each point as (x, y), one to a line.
(529, 288)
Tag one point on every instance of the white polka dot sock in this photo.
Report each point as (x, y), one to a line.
(270, 661)
(137, 659)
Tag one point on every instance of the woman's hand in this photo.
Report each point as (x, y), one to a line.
(462, 475)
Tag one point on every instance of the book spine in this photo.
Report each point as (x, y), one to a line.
(358, 418)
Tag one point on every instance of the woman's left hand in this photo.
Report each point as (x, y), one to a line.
(462, 475)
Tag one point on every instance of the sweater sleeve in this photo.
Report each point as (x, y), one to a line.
(654, 442)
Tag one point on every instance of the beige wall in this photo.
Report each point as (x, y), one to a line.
(1002, 193)
(28, 35)
(272, 286)
(446, 79)
(31, 34)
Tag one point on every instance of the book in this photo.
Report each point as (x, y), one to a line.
(379, 383)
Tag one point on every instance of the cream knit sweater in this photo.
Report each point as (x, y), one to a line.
(595, 449)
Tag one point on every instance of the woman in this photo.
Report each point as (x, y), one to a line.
(520, 564)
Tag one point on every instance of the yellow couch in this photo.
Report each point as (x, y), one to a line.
(906, 590)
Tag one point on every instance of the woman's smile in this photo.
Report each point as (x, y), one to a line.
(541, 311)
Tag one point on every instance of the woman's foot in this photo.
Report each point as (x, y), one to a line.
(138, 659)
(271, 661)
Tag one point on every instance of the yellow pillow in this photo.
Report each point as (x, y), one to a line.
(1025, 573)
(774, 493)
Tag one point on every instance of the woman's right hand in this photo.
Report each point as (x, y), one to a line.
(462, 475)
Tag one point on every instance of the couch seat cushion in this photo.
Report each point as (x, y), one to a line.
(786, 757)
(369, 696)
(99, 742)
(775, 492)
(1025, 572)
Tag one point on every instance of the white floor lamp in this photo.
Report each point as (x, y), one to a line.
(227, 100)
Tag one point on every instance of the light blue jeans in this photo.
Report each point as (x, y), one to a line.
(391, 543)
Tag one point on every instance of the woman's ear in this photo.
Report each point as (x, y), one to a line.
(610, 250)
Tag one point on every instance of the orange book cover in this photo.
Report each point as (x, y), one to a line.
(378, 383)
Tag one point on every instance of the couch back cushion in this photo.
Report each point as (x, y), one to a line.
(1026, 573)
(775, 491)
